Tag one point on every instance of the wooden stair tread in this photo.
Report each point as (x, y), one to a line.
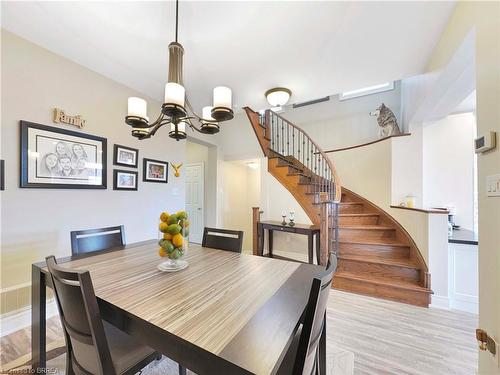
(382, 260)
(367, 227)
(386, 242)
(399, 284)
(360, 214)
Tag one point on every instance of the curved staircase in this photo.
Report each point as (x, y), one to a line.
(376, 256)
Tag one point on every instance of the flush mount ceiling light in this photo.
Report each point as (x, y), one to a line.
(176, 109)
(278, 96)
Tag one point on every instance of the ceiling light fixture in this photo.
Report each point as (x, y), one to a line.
(278, 96)
(176, 109)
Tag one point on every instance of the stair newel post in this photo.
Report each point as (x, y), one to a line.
(324, 231)
(255, 224)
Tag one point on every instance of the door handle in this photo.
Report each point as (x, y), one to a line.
(199, 208)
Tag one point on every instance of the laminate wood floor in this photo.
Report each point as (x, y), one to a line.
(385, 338)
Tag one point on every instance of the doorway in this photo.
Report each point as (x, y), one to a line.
(195, 191)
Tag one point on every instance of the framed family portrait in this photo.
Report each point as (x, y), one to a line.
(125, 156)
(61, 159)
(124, 180)
(155, 170)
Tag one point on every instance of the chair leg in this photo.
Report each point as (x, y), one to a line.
(182, 370)
(69, 365)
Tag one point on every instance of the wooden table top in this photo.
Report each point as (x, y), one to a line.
(311, 227)
(242, 308)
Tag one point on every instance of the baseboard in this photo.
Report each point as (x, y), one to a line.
(440, 302)
(19, 319)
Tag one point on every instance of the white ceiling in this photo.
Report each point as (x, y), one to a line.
(313, 48)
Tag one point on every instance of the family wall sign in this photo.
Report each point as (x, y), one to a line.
(61, 117)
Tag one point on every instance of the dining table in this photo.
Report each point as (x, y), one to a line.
(226, 313)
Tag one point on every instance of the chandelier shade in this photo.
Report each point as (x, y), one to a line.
(176, 109)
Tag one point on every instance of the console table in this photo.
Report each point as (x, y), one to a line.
(310, 231)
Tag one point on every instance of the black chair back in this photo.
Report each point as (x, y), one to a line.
(86, 241)
(223, 239)
(81, 320)
(314, 321)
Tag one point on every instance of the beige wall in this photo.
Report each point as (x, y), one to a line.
(484, 17)
(241, 192)
(36, 222)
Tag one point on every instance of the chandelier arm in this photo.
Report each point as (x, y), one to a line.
(158, 126)
(195, 115)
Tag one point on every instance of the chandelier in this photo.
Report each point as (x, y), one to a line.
(176, 110)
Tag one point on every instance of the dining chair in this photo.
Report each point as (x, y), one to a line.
(93, 346)
(223, 239)
(302, 357)
(86, 241)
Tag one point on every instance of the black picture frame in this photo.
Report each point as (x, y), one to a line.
(145, 170)
(2, 175)
(24, 174)
(115, 156)
(124, 171)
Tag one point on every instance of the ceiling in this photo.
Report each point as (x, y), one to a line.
(313, 48)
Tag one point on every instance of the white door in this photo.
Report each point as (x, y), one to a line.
(195, 189)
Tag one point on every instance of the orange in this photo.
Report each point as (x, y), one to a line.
(163, 227)
(164, 216)
(167, 236)
(162, 252)
(177, 240)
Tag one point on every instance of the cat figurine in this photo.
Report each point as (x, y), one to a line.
(386, 121)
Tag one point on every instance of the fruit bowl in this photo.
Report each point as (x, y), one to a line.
(174, 232)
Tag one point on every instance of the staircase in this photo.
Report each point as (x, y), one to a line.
(376, 256)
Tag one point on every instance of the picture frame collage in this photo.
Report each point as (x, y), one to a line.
(56, 158)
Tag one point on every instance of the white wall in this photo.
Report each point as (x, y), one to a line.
(336, 124)
(200, 152)
(37, 222)
(448, 157)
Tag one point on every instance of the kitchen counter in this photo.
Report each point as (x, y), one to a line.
(463, 236)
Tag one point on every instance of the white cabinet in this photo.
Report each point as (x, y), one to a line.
(463, 277)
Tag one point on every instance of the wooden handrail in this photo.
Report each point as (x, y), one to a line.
(336, 179)
(367, 144)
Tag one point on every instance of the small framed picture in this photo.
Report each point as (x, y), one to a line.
(124, 180)
(155, 170)
(125, 156)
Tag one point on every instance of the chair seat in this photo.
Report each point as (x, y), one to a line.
(286, 367)
(126, 352)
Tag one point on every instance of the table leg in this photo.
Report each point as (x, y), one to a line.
(182, 370)
(310, 248)
(270, 243)
(260, 252)
(317, 248)
(38, 316)
(322, 349)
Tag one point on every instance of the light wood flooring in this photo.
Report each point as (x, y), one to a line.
(385, 337)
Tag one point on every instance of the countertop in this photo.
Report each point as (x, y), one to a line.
(463, 236)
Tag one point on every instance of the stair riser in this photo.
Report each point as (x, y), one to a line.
(358, 220)
(366, 234)
(351, 209)
(382, 291)
(382, 271)
(381, 250)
